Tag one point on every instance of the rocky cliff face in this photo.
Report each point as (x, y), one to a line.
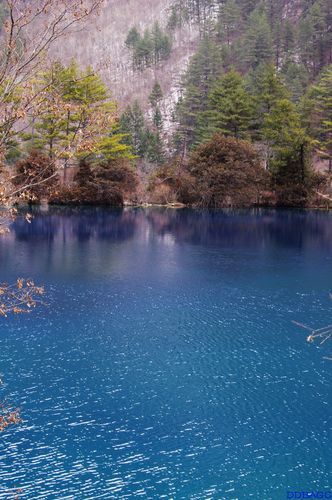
(101, 43)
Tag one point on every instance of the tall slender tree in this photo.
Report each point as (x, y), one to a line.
(266, 87)
(229, 109)
(320, 120)
(204, 68)
(258, 39)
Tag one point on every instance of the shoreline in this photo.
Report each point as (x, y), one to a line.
(174, 206)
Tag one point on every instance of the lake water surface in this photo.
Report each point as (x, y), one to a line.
(166, 364)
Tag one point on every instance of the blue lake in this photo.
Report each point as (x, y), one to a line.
(166, 364)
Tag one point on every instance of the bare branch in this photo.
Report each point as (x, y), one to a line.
(29, 31)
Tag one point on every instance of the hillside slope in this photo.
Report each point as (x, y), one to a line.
(101, 43)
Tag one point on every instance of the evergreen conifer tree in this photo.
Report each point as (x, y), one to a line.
(320, 96)
(133, 38)
(204, 68)
(247, 6)
(266, 87)
(229, 108)
(132, 124)
(258, 39)
(156, 95)
(315, 36)
(228, 21)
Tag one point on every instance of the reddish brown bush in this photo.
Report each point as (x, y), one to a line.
(104, 184)
(36, 176)
(172, 183)
(227, 172)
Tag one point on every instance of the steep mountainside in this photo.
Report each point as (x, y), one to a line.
(102, 44)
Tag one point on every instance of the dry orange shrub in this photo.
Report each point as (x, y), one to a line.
(8, 417)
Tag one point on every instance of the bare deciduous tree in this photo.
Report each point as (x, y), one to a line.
(30, 29)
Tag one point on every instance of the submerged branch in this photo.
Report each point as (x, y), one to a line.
(324, 333)
(20, 297)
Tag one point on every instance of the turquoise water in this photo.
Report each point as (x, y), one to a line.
(166, 365)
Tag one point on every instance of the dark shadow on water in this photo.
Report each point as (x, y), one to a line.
(82, 224)
(246, 228)
(227, 228)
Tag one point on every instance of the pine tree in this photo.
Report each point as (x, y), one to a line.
(72, 97)
(204, 68)
(143, 52)
(315, 36)
(179, 14)
(228, 21)
(133, 38)
(296, 78)
(77, 108)
(132, 124)
(229, 108)
(156, 95)
(151, 48)
(113, 147)
(166, 47)
(161, 44)
(247, 6)
(145, 142)
(289, 148)
(281, 128)
(90, 88)
(321, 114)
(49, 132)
(157, 41)
(154, 151)
(288, 39)
(158, 119)
(266, 88)
(258, 39)
(277, 124)
(274, 11)
(287, 144)
(91, 96)
(155, 98)
(174, 19)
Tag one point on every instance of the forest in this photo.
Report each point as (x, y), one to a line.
(251, 123)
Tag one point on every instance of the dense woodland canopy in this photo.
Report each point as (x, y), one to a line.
(260, 82)
(262, 73)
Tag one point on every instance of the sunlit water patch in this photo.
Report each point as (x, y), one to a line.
(166, 364)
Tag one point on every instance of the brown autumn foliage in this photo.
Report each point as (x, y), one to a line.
(25, 96)
(36, 176)
(107, 183)
(19, 297)
(29, 30)
(8, 417)
(172, 183)
(224, 172)
(227, 172)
